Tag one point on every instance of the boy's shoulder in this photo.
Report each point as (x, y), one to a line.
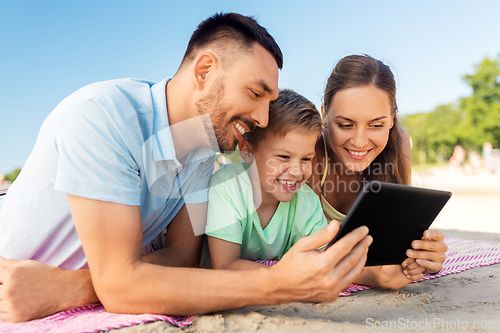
(229, 172)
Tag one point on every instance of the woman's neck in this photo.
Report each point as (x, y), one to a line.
(342, 185)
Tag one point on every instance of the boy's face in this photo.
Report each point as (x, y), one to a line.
(284, 164)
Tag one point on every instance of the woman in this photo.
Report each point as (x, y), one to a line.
(363, 141)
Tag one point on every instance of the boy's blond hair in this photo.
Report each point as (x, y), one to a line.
(290, 111)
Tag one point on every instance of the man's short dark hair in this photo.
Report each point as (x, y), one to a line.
(224, 28)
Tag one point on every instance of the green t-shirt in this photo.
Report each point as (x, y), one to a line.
(232, 215)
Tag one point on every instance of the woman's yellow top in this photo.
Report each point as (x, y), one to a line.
(330, 212)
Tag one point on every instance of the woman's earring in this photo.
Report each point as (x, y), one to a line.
(324, 124)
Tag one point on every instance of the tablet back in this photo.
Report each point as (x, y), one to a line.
(396, 215)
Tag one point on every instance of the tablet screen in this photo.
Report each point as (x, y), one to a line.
(396, 215)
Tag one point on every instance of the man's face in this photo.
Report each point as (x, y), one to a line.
(239, 97)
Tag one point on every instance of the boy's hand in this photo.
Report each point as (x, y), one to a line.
(428, 252)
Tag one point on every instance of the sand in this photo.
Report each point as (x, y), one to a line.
(457, 302)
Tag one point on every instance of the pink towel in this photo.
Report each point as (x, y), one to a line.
(88, 318)
(461, 255)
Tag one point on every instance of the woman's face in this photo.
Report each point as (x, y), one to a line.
(358, 122)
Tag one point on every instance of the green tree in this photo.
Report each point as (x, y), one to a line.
(13, 175)
(469, 122)
(434, 134)
(482, 109)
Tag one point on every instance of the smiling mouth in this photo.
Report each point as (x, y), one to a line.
(287, 182)
(239, 128)
(358, 153)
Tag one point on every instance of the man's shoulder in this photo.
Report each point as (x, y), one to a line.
(113, 99)
(124, 82)
(116, 89)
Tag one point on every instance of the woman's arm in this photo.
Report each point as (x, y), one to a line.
(227, 255)
(388, 276)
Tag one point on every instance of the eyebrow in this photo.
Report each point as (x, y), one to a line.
(264, 86)
(291, 152)
(345, 118)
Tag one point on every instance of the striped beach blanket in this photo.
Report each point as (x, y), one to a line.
(461, 255)
(89, 318)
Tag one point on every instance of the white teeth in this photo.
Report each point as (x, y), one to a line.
(360, 153)
(239, 128)
(287, 182)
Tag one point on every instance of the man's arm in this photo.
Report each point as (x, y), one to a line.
(30, 290)
(111, 235)
(303, 274)
(33, 290)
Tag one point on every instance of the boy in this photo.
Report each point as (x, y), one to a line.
(258, 209)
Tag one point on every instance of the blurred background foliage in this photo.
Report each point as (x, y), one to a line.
(13, 175)
(468, 122)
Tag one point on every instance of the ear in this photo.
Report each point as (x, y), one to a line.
(323, 115)
(392, 121)
(205, 64)
(245, 151)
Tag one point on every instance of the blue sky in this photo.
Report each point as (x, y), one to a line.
(48, 49)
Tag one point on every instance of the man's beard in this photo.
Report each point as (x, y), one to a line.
(213, 105)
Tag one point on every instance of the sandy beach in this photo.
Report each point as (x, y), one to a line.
(467, 301)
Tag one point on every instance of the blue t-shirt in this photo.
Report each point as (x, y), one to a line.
(108, 141)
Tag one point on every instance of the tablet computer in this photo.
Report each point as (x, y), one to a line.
(396, 215)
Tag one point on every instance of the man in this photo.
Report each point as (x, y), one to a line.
(117, 162)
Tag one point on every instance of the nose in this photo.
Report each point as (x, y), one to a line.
(360, 138)
(295, 170)
(261, 116)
